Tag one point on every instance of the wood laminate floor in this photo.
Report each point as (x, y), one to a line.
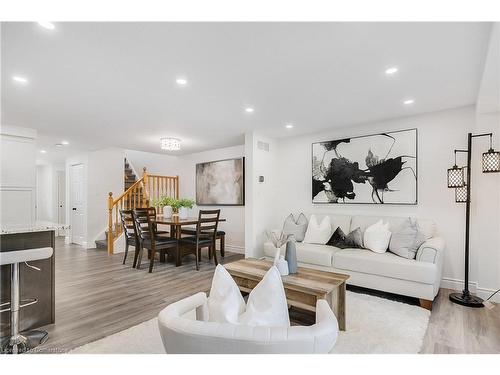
(97, 296)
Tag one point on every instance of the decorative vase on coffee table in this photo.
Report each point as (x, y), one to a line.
(291, 256)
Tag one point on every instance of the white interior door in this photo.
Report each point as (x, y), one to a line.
(77, 207)
(61, 200)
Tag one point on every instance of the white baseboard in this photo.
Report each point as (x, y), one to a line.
(235, 249)
(457, 284)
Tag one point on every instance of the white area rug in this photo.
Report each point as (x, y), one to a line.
(374, 325)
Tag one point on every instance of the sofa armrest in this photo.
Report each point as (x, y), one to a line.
(196, 302)
(431, 251)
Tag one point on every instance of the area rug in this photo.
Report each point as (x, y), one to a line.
(374, 325)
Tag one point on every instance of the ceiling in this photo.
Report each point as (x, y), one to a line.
(114, 84)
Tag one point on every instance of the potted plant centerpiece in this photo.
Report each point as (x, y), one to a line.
(173, 206)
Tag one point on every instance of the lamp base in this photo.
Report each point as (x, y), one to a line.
(466, 299)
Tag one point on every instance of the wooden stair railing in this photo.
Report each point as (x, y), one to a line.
(138, 195)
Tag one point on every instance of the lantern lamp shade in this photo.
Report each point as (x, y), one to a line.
(461, 194)
(456, 177)
(491, 161)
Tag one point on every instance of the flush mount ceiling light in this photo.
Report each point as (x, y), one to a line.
(47, 25)
(170, 144)
(391, 71)
(249, 110)
(181, 81)
(20, 79)
(409, 101)
(64, 143)
(289, 126)
(43, 151)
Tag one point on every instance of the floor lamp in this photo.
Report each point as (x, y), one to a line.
(460, 180)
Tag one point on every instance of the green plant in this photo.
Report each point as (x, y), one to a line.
(185, 202)
(173, 202)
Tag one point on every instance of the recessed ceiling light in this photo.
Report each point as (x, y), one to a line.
(392, 70)
(47, 25)
(65, 143)
(408, 101)
(249, 110)
(181, 81)
(43, 151)
(20, 79)
(170, 144)
(289, 126)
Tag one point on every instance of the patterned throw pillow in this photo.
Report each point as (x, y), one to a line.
(406, 240)
(353, 240)
(297, 228)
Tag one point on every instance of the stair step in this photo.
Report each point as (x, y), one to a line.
(101, 244)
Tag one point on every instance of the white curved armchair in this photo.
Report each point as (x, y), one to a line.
(182, 335)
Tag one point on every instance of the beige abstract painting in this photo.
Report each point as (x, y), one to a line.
(221, 182)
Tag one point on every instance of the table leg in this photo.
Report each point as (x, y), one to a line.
(336, 300)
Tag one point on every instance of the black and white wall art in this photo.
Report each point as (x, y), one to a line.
(221, 183)
(379, 168)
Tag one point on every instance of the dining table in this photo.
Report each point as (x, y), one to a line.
(176, 223)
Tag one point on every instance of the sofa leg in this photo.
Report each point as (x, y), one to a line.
(426, 304)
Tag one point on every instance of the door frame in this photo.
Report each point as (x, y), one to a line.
(69, 204)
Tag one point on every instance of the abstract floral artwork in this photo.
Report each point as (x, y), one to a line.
(379, 168)
(221, 183)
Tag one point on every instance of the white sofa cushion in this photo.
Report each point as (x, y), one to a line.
(319, 255)
(386, 264)
(426, 226)
(225, 303)
(267, 305)
(318, 233)
(377, 237)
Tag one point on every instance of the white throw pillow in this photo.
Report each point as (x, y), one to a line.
(225, 303)
(318, 233)
(377, 237)
(267, 304)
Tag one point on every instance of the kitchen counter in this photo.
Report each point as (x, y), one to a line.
(33, 284)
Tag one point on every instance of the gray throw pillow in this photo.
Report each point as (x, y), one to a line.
(353, 240)
(406, 240)
(297, 228)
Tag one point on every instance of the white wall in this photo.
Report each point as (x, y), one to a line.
(103, 174)
(438, 135)
(235, 215)
(262, 198)
(160, 164)
(17, 176)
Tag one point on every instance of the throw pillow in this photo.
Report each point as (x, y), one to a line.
(267, 305)
(225, 303)
(406, 240)
(353, 240)
(296, 228)
(318, 233)
(377, 237)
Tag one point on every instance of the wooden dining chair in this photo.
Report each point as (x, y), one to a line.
(129, 233)
(206, 233)
(152, 216)
(150, 240)
(221, 236)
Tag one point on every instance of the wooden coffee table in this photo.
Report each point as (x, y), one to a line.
(302, 289)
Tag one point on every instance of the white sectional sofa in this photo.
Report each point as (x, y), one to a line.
(419, 277)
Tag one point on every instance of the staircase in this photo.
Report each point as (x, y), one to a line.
(129, 179)
(137, 193)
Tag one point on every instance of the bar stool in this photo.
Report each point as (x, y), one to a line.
(20, 343)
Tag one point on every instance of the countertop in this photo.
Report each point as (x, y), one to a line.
(37, 226)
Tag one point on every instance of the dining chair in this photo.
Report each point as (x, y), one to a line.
(129, 233)
(206, 233)
(152, 215)
(221, 236)
(149, 239)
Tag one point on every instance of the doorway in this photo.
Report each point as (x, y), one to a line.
(61, 201)
(77, 206)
